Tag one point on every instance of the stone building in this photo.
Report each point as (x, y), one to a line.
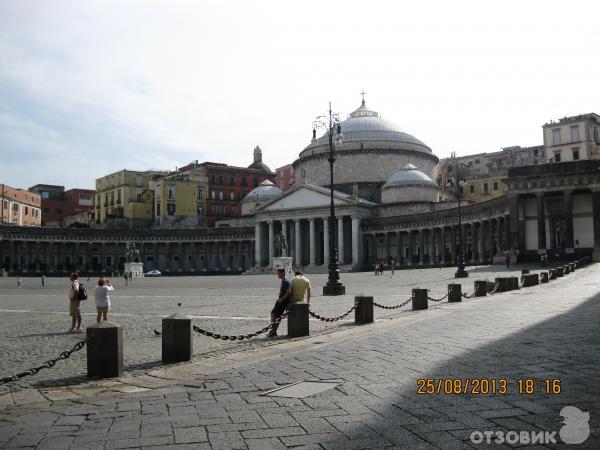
(58, 204)
(20, 207)
(573, 138)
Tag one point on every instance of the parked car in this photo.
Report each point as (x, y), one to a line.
(153, 273)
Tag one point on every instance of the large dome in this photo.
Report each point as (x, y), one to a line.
(409, 184)
(264, 191)
(409, 174)
(365, 125)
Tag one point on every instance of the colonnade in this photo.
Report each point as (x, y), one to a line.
(48, 256)
(439, 245)
(308, 240)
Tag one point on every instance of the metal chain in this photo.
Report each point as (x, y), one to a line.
(394, 307)
(48, 364)
(240, 337)
(496, 286)
(436, 299)
(331, 319)
(468, 295)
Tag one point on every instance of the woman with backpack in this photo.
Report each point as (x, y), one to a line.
(75, 294)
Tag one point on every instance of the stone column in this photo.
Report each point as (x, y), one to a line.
(311, 237)
(257, 252)
(340, 222)
(569, 239)
(386, 245)
(285, 235)
(506, 231)
(399, 245)
(541, 221)
(431, 246)
(325, 241)
(513, 224)
(411, 242)
(453, 244)
(297, 243)
(499, 246)
(442, 246)
(355, 242)
(421, 247)
(490, 236)
(596, 218)
(271, 251)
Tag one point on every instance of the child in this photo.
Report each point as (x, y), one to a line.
(102, 299)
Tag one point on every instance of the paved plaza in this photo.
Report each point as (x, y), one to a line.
(549, 332)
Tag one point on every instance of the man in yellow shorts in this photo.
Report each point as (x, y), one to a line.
(300, 287)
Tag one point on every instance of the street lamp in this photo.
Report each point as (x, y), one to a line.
(331, 124)
(459, 183)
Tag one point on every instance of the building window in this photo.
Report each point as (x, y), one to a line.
(158, 209)
(232, 195)
(119, 197)
(171, 209)
(26, 211)
(575, 133)
(221, 179)
(213, 194)
(138, 180)
(556, 136)
(212, 179)
(461, 190)
(495, 185)
(244, 182)
(472, 189)
(575, 154)
(476, 161)
(232, 181)
(535, 152)
(557, 156)
(485, 188)
(220, 195)
(200, 194)
(171, 192)
(112, 198)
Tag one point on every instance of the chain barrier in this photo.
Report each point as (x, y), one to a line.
(436, 299)
(239, 337)
(48, 364)
(379, 305)
(468, 295)
(331, 319)
(495, 289)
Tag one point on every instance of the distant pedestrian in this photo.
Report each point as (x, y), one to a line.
(507, 259)
(381, 267)
(126, 278)
(43, 280)
(376, 267)
(19, 282)
(283, 300)
(300, 288)
(74, 304)
(102, 298)
(392, 262)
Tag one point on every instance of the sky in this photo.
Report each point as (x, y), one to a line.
(89, 88)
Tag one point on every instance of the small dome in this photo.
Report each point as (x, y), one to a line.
(409, 174)
(258, 163)
(265, 191)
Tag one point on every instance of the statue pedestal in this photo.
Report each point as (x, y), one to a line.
(283, 262)
(136, 269)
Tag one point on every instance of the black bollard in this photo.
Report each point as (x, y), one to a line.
(298, 320)
(419, 299)
(572, 267)
(105, 350)
(566, 269)
(364, 310)
(513, 283)
(544, 277)
(177, 342)
(454, 293)
(480, 288)
(503, 284)
(560, 271)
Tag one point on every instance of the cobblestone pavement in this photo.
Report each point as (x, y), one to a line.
(546, 332)
(34, 320)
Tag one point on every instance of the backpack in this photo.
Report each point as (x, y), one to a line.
(82, 293)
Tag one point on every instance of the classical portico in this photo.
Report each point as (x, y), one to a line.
(302, 216)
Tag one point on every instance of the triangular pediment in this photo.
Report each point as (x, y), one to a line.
(306, 196)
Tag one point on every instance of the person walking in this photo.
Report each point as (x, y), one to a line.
(283, 300)
(392, 263)
(74, 304)
(300, 288)
(43, 280)
(19, 282)
(102, 297)
(126, 278)
(507, 259)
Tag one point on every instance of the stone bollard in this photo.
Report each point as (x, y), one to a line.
(577, 264)
(560, 272)
(552, 274)
(105, 350)
(177, 341)
(566, 269)
(480, 288)
(503, 284)
(532, 279)
(364, 310)
(419, 299)
(298, 320)
(572, 267)
(513, 283)
(454, 293)
(544, 277)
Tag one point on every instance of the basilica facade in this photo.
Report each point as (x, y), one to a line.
(386, 206)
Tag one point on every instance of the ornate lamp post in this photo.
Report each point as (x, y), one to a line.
(331, 123)
(458, 182)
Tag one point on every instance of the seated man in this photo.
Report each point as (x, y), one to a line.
(282, 302)
(300, 287)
